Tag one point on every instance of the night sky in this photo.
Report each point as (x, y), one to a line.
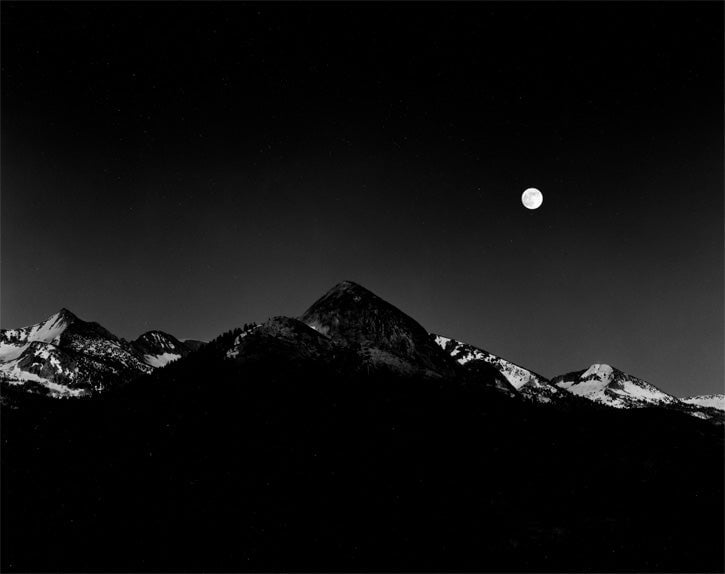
(192, 167)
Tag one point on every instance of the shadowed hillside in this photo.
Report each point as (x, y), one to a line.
(219, 465)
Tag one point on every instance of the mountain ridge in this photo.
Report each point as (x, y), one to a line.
(67, 356)
(274, 445)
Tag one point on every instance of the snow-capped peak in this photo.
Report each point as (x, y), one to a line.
(602, 372)
(604, 384)
(13, 342)
(47, 331)
(159, 348)
(68, 356)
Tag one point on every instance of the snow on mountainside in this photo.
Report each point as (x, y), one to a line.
(234, 351)
(159, 348)
(709, 401)
(524, 381)
(609, 386)
(65, 356)
(13, 342)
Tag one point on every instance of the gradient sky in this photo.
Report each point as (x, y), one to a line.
(194, 167)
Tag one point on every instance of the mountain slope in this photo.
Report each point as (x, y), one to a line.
(193, 344)
(65, 356)
(282, 339)
(709, 401)
(524, 381)
(224, 465)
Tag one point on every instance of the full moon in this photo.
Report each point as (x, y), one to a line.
(532, 198)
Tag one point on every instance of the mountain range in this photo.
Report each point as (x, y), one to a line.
(65, 356)
(349, 438)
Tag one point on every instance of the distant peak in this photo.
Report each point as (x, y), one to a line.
(65, 315)
(348, 297)
(352, 292)
(157, 342)
(348, 285)
(155, 336)
(153, 333)
(601, 370)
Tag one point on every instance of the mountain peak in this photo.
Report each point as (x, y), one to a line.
(351, 312)
(154, 335)
(600, 371)
(159, 348)
(607, 385)
(352, 315)
(65, 315)
(353, 289)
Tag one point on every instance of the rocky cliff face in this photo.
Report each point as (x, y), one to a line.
(351, 315)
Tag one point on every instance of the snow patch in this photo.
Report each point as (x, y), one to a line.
(710, 401)
(161, 360)
(583, 388)
(10, 351)
(523, 380)
(601, 372)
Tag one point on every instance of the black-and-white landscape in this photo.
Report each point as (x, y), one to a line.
(346, 438)
(65, 356)
(362, 287)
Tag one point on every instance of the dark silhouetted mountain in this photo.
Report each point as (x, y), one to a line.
(193, 344)
(351, 315)
(282, 339)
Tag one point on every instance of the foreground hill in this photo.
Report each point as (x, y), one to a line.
(283, 462)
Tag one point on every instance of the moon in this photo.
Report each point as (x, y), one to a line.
(532, 198)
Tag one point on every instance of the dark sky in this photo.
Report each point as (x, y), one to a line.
(192, 167)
